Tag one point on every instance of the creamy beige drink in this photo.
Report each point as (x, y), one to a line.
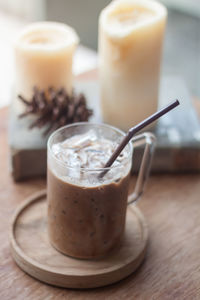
(86, 213)
(43, 54)
(131, 35)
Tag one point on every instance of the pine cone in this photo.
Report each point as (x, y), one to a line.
(56, 108)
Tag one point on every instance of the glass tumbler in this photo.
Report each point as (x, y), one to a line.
(87, 212)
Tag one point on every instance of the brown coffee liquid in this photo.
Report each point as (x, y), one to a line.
(86, 222)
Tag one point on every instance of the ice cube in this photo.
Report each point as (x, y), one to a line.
(83, 159)
(81, 140)
(56, 148)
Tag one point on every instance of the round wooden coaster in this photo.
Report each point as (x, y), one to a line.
(34, 254)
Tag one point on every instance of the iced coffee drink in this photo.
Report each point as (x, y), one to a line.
(86, 212)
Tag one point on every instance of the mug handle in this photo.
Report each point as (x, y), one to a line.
(149, 140)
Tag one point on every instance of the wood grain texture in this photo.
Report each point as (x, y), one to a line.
(171, 270)
(33, 252)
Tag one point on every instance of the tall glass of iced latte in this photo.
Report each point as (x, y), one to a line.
(86, 212)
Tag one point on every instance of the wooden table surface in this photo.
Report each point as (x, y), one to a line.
(171, 270)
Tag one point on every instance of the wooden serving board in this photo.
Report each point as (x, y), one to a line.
(178, 134)
(33, 253)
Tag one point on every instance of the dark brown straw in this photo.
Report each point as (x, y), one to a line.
(134, 130)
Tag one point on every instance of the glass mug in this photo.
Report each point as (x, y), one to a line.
(87, 213)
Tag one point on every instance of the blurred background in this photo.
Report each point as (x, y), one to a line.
(181, 49)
